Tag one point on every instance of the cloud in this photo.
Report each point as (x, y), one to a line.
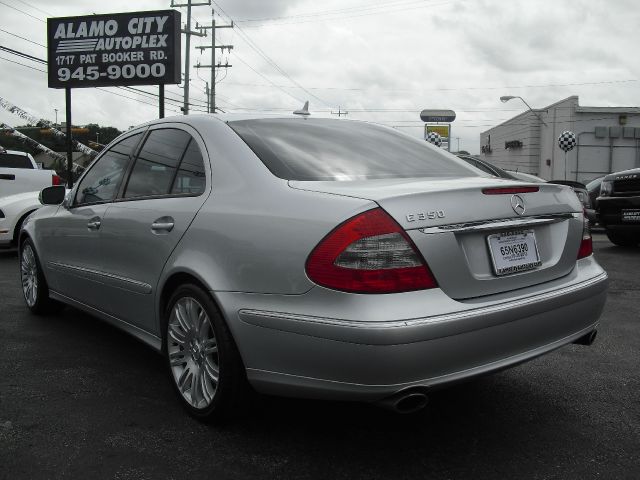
(460, 54)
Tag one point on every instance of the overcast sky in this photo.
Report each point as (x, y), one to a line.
(381, 60)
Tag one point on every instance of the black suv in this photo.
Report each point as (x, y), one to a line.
(619, 207)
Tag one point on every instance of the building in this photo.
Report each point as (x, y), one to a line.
(608, 141)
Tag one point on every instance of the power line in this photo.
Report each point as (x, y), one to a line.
(329, 12)
(36, 8)
(22, 11)
(505, 87)
(344, 17)
(22, 54)
(22, 38)
(18, 63)
(267, 79)
(271, 62)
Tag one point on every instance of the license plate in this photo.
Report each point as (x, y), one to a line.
(514, 252)
(631, 215)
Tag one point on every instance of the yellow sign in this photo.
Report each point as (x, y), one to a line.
(442, 130)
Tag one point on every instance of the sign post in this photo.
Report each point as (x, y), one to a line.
(133, 48)
(67, 98)
(438, 117)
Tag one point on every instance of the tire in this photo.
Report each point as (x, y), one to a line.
(622, 239)
(204, 364)
(35, 290)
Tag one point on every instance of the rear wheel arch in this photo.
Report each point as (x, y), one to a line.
(173, 282)
(170, 285)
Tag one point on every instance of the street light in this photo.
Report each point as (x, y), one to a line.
(506, 98)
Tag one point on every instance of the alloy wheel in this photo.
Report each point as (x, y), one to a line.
(29, 275)
(193, 352)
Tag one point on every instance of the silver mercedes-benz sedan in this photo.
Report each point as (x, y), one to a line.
(317, 258)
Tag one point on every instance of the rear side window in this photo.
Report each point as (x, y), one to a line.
(9, 160)
(324, 149)
(101, 183)
(169, 162)
(190, 178)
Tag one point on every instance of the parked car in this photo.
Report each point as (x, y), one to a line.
(317, 258)
(487, 167)
(593, 187)
(13, 210)
(19, 173)
(526, 177)
(619, 207)
(583, 195)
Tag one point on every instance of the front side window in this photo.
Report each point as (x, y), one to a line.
(101, 183)
(323, 149)
(170, 162)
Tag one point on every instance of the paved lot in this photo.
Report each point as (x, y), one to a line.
(79, 399)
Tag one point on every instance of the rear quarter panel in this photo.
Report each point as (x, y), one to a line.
(254, 232)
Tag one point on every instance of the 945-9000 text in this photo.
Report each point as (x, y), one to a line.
(141, 70)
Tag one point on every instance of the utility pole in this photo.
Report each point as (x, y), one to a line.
(206, 92)
(213, 66)
(340, 112)
(188, 33)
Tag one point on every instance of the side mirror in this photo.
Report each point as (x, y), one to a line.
(52, 195)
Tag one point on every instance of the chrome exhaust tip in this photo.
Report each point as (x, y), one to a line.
(405, 402)
(587, 339)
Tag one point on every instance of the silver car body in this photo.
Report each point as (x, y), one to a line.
(246, 240)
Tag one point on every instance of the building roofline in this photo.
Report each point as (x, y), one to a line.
(632, 110)
(579, 109)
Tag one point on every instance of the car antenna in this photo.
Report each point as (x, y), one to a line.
(304, 110)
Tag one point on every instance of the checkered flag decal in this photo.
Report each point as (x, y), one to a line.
(435, 138)
(567, 140)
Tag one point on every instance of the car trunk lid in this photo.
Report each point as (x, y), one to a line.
(459, 226)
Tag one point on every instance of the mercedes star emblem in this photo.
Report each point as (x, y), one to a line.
(517, 203)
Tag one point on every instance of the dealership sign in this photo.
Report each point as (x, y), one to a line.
(442, 130)
(134, 48)
(438, 116)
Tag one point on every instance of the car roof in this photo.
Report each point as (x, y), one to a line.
(13, 152)
(204, 118)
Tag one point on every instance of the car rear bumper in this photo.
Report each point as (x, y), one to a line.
(313, 356)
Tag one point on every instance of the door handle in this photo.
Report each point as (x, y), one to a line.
(162, 224)
(94, 224)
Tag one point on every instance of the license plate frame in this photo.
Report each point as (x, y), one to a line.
(630, 215)
(514, 260)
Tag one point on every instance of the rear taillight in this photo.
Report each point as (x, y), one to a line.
(369, 253)
(56, 180)
(586, 245)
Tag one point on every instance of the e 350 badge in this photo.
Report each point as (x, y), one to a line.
(430, 215)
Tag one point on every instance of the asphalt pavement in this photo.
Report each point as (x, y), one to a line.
(80, 399)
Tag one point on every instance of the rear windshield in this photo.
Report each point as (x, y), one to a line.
(324, 149)
(9, 160)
